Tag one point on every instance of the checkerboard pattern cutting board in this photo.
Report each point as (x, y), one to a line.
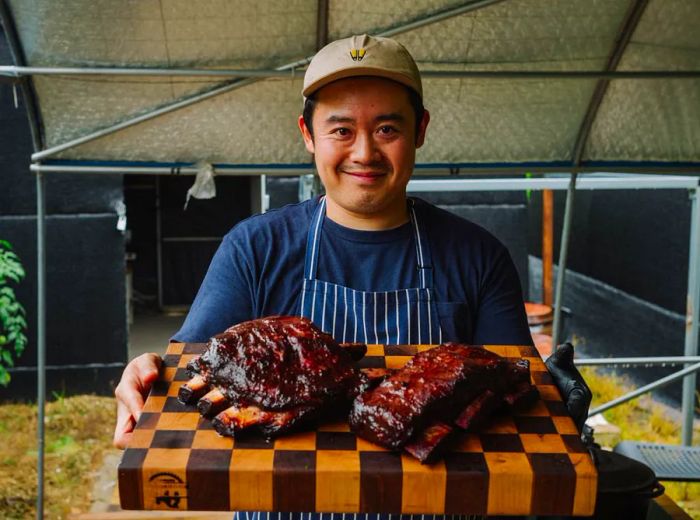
(532, 462)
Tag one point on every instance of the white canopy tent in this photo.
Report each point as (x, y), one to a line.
(507, 82)
(512, 85)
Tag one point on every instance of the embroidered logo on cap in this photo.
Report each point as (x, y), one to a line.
(357, 54)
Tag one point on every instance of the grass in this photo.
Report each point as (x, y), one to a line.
(644, 419)
(78, 432)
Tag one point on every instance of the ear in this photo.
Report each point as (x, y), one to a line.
(420, 138)
(306, 134)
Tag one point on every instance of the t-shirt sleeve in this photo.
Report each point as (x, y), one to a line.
(223, 299)
(501, 317)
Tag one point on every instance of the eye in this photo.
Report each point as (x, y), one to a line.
(387, 130)
(342, 131)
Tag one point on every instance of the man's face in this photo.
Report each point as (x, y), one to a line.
(364, 144)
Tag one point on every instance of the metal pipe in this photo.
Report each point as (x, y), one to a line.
(459, 170)
(36, 131)
(629, 24)
(644, 361)
(439, 16)
(86, 366)
(159, 247)
(628, 181)
(558, 184)
(563, 253)
(41, 338)
(13, 71)
(17, 71)
(227, 87)
(550, 183)
(25, 85)
(651, 386)
(264, 197)
(627, 28)
(691, 321)
(164, 170)
(321, 24)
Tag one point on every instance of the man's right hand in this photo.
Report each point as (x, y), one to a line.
(131, 392)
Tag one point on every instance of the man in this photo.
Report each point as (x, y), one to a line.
(364, 262)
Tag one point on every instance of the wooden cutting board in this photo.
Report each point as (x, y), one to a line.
(529, 463)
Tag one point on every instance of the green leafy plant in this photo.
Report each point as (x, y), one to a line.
(12, 315)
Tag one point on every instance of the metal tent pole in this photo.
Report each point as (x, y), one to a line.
(691, 321)
(629, 24)
(690, 369)
(159, 246)
(41, 337)
(629, 177)
(563, 253)
(14, 71)
(645, 362)
(35, 127)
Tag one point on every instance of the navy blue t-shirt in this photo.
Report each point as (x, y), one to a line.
(258, 271)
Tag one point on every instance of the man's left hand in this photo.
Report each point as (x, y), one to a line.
(570, 383)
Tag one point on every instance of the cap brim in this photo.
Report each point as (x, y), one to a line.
(361, 71)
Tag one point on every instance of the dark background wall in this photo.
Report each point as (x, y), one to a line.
(634, 240)
(627, 273)
(189, 237)
(86, 317)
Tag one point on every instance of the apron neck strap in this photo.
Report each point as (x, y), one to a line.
(313, 241)
(425, 262)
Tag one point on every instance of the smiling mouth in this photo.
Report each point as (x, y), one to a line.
(364, 175)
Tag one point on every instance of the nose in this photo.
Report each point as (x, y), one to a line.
(364, 149)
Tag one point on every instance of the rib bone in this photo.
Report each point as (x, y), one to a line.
(193, 389)
(212, 403)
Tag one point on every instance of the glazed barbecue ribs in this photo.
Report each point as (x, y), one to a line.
(275, 374)
(272, 374)
(417, 408)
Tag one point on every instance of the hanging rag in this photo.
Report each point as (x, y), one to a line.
(204, 186)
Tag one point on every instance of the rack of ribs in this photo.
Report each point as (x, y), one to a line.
(272, 375)
(276, 374)
(452, 385)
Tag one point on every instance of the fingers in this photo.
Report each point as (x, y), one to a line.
(563, 356)
(149, 366)
(578, 402)
(124, 427)
(136, 382)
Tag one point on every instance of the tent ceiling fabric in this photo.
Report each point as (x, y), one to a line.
(474, 120)
(663, 116)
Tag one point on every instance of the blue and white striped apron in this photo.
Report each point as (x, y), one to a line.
(404, 316)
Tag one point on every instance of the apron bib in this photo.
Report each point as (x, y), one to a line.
(403, 316)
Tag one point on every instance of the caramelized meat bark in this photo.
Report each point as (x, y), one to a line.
(273, 375)
(450, 384)
(277, 363)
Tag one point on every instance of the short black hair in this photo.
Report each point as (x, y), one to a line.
(413, 98)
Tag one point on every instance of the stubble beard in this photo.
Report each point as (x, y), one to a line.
(368, 203)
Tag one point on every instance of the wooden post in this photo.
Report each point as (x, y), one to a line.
(547, 245)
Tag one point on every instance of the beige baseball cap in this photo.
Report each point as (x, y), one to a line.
(362, 55)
